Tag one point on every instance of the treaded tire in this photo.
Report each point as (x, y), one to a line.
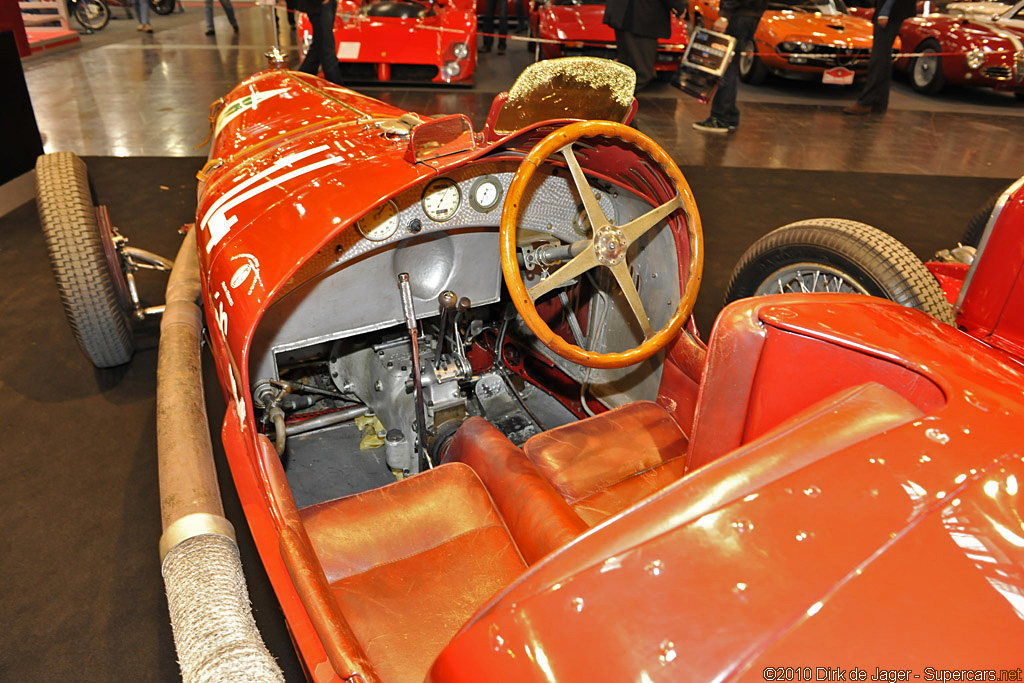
(162, 7)
(79, 264)
(755, 72)
(976, 226)
(882, 265)
(92, 14)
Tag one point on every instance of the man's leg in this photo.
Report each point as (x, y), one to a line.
(487, 27)
(208, 9)
(502, 25)
(230, 12)
(876, 87)
(723, 105)
(329, 54)
(311, 64)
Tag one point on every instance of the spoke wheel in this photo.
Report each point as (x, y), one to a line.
(752, 69)
(92, 14)
(837, 255)
(606, 248)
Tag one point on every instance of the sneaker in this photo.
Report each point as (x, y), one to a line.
(857, 109)
(713, 125)
(139, 27)
(210, 32)
(147, 28)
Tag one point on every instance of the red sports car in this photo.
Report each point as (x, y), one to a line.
(477, 437)
(409, 41)
(967, 48)
(578, 27)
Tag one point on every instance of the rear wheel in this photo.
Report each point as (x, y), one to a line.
(976, 226)
(92, 14)
(752, 69)
(83, 262)
(926, 71)
(836, 255)
(162, 7)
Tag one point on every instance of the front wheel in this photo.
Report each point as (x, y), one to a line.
(92, 14)
(752, 69)
(162, 7)
(926, 71)
(837, 255)
(85, 265)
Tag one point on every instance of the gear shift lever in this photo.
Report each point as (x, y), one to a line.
(447, 300)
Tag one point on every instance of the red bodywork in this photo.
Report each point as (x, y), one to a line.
(582, 31)
(901, 548)
(988, 297)
(1002, 67)
(415, 49)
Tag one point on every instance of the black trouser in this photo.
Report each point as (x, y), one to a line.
(876, 88)
(291, 5)
(638, 53)
(321, 50)
(723, 105)
(488, 25)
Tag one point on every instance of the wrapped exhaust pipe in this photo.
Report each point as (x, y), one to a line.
(214, 632)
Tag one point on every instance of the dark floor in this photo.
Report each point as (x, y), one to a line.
(81, 590)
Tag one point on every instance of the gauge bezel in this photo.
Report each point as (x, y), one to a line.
(429, 190)
(484, 180)
(396, 217)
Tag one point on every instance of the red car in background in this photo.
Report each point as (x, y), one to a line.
(965, 47)
(406, 41)
(578, 27)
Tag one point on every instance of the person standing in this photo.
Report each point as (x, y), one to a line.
(487, 28)
(229, 11)
(638, 25)
(739, 19)
(142, 13)
(321, 50)
(874, 99)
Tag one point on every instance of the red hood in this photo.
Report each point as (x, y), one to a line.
(586, 22)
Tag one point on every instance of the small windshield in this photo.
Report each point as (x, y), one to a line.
(820, 6)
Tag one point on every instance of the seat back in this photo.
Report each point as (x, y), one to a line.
(759, 375)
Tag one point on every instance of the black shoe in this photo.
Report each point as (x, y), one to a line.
(484, 50)
(234, 27)
(501, 48)
(713, 125)
(210, 32)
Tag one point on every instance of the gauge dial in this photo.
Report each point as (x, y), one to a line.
(380, 223)
(441, 199)
(486, 194)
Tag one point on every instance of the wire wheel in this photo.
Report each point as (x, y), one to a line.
(926, 72)
(837, 255)
(92, 14)
(82, 267)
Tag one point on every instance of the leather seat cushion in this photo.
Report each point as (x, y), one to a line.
(409, 563)
(603, 464)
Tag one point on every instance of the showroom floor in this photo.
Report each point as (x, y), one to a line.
(82, 596)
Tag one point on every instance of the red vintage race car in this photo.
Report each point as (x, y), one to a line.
(976, 48)
(476, 436)
(578, 28)
(408, 41)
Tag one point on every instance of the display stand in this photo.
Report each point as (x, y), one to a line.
(47, 25)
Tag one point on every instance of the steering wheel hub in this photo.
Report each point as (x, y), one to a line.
(610, 245)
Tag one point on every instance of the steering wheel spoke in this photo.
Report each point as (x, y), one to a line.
(607, 247)
(625, 279)
(595, 213)
(634, 229)
(580, 264)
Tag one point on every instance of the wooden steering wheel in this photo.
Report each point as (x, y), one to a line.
(606, 248)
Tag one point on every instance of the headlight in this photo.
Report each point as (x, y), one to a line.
(450, 70)
(460, 50)
(975, 58)
(793, 46)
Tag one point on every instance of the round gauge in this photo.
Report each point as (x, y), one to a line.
(486, 194)
(441, 199)
(380, 223)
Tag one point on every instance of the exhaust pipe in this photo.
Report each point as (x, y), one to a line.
(215, 634)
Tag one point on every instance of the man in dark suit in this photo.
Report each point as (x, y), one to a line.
(638, 25)
(874, 99)
(321, 50)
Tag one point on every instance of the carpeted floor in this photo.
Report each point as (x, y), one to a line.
(81, 590)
